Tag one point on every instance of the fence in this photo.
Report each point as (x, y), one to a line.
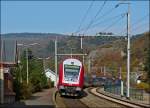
(113, 88)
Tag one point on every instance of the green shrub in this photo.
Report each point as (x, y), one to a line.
(36, 82)
(37, 88)
(17, 89)
(52, 83)
(26, 90)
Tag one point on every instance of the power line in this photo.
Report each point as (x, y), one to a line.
(137, 22)
(136, 28)
(98, 12)
(85, 16)
(109, 11)
(122, 16)
(104, 21)
(109, 19)
(103, 15)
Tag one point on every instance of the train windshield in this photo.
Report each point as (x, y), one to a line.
(71, 73)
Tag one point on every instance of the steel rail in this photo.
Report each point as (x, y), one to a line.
(117, 100)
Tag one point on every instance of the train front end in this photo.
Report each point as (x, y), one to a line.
(71, 77)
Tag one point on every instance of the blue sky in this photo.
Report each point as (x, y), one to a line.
(65, 16)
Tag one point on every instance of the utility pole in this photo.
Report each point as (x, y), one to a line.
(27, 46)
(104, 71)
(81, 40)
(44, 64)
(27, 65)
(101, 69)
(89, 66)
(120, 71)
(20, 66)
(71, 51)
(128, 52)
(83, 59)
(1, 76)
(121, 83)
(81, 43)
(82, 47)
(1, 84)
(128, 49)
(56, 60)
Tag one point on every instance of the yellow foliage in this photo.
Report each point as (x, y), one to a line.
(144, 86)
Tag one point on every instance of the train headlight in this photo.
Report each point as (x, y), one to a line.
(78, 89)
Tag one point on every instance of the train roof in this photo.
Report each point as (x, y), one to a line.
(72, 61)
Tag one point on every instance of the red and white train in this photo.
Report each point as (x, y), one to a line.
(71, 77)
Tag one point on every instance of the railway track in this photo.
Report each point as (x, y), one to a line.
(93, 99)
(122, 102)
(68, 102)
(87, 101)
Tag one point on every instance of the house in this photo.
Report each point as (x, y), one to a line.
(8, 60)
(51, 75)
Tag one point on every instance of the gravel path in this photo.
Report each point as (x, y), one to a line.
(42, 99)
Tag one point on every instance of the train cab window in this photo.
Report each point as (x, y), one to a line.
(71, 73)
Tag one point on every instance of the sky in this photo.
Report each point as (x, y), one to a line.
(65, 17)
